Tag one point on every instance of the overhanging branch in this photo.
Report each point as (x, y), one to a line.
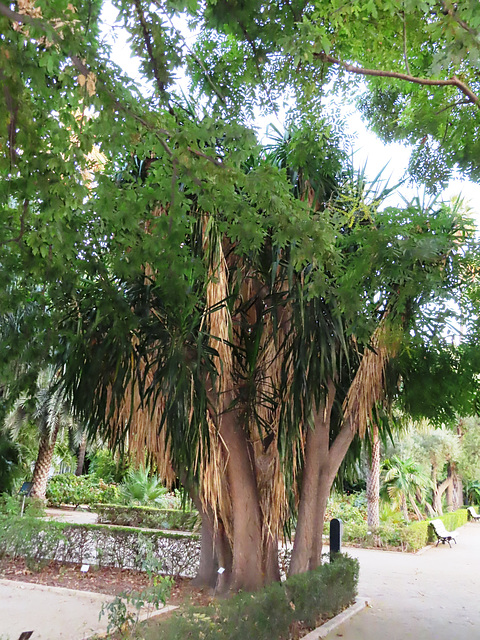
(381, 73)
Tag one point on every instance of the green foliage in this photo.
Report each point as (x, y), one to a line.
(142, 487)
(28, 537)
(398, 535)
(472, 492)
(10, 468)
(68, 488)
(104, 466)
(352, 509)
(148, 517)
(78, 246)
(271, 612)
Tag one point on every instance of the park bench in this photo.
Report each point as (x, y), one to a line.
(473, 514)
(442, 534)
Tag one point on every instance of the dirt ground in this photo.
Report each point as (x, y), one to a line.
(106, 580)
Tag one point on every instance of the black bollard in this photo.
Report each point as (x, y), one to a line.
(336, 532)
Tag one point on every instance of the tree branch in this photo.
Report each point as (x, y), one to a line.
(148, 44)
(450, 11)
(452, 82)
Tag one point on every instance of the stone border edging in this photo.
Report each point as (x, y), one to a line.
(320, 632)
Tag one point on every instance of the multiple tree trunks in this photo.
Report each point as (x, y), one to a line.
(322, 462)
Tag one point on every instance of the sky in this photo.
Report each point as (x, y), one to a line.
(369, 151)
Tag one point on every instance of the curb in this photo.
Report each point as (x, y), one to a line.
(19, 584)
(320, 632)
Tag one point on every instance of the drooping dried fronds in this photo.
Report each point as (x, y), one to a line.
(368, 386)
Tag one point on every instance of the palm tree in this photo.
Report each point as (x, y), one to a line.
(49, 411)
(404, 481)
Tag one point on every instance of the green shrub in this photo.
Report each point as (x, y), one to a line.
(270, 613)
(141, 487)
(28, 537)
(103, 465)
(148, 517)
(68, 488)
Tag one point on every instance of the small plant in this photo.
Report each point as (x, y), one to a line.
(140, 487)
(123, 612)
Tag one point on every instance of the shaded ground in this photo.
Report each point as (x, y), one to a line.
(106, 580)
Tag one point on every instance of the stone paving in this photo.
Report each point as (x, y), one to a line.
(433, 595)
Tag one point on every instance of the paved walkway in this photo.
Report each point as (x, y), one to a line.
(434, 595)
(52, 613)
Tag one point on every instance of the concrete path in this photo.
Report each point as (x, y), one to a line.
(71, 515)
(434, 595)
(52, 613)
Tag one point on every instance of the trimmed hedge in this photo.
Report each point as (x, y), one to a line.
(39, 541)
(270, 614)
(149, 517)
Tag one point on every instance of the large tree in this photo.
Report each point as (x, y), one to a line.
(239, 312)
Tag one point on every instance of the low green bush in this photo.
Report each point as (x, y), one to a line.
(67, 488)
(148, 517)
(269, 614)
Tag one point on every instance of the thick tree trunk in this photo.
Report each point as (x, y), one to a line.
(316, 457)
(81, 455)
(208, 565)
(404, 507)
(373, 483)
(43, 463)
(248, 569)
(307, 549)
(454, 489)
(272, 568)
(438, 491)
(316, 454)
(457, 492)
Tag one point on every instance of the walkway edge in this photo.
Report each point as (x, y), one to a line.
(320, 632)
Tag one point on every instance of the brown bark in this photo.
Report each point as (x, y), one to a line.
(81, 455)
(316, 454)
(44, 462)
(438, 491)
(215, 566)
(316, 485)
(373, 483)
(454, 489)
(248, 568)
(208, 564)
